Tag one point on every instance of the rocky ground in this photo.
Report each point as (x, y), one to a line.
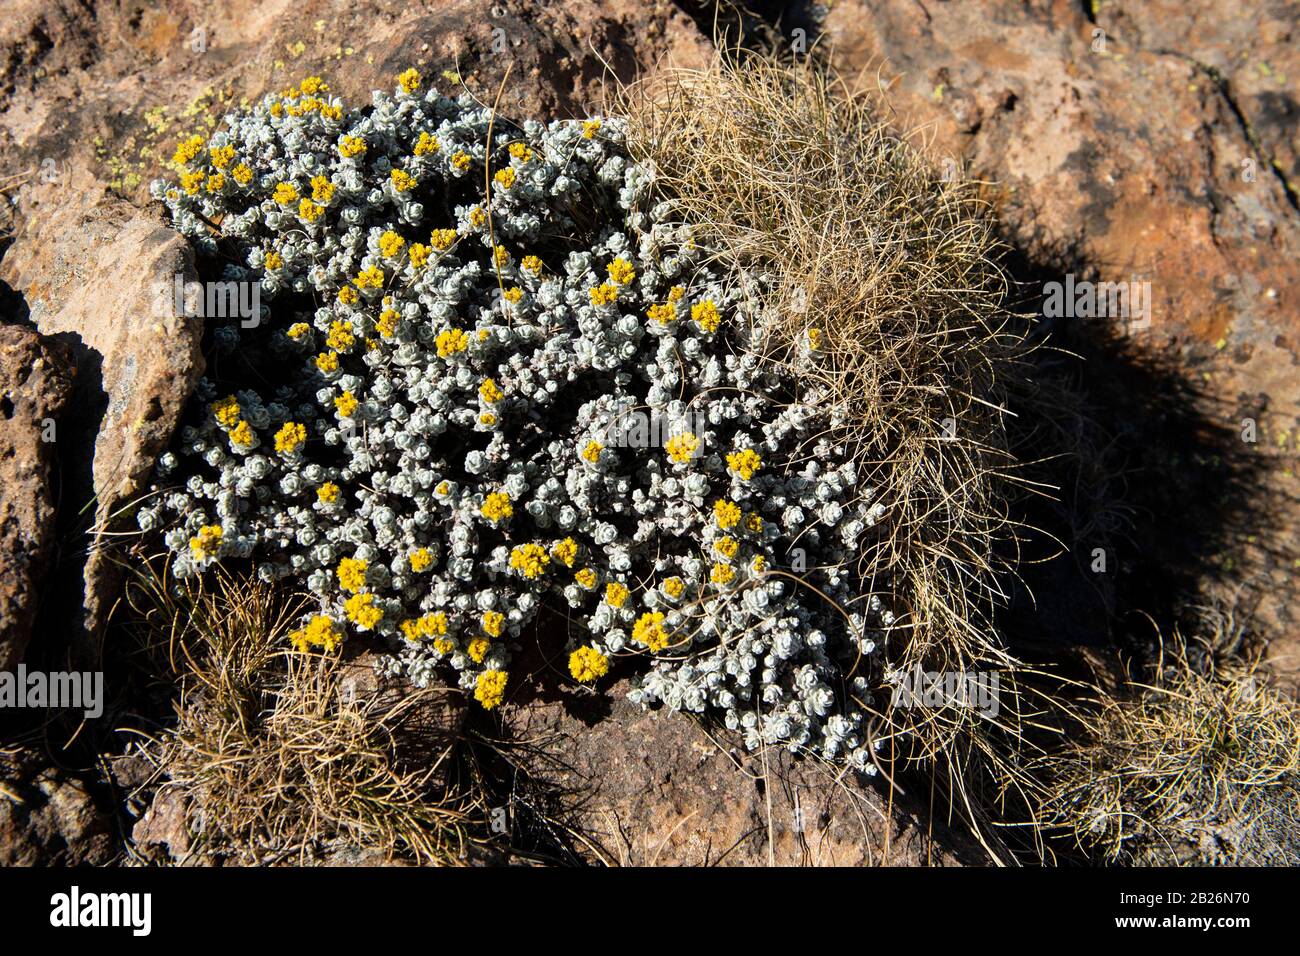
(1151, 142)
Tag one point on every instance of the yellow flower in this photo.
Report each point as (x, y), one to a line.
(420, 559)
(726, 546)
(744, 463)
(681, 447)
(621, 271)
(589, 128)
(433, 625)
(500, 257)
(477, 217)
(490, 689)
(586, 664)
(242, 174)
(341, 337)
(443, 646)
(322, 190)
(310, 211)
(493, 622)
(313, 85)
(409, 80)
(586, 577)
(460, 161)
(346, 404)
(497, 507)
(273, 260)
(663, 314)
(351, 146)
(242, 435)
(215, 183)
(298, 330)
(674, 587)
(371, 277)
(191, 182)
(726, 512)
(565, 551)
(451, 341)
(532, 264)
(320, 632)
(814, 339)
(427, 144)
(722, 573)
(285, 194)
(390, 244)
(402, 180)
(290, 436)
(222, 156)
(477, 649)
(489, 391)
(603, 294)
(352, 574)
(328, 361)
(530, 560)
(753, 522)
(616, 594)
(760, 564)
(675, 293)
(226, 411)
(521, 152)
(207, 542)
(487, 418)
(361, 611)
(592, 452)
(513, 294)
(419, 255)
(187, 150)
(442, 239)
(387, 324)
(328, 492)
(348, 295)
(505, 178)
(649, 630)
(706, 314)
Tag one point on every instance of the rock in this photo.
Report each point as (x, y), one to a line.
(656, 789)
(35, 382)
(163, 831)
(96, 277)
(48, 818)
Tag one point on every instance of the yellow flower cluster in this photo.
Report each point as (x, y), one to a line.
(674, 587)
(681, 447)
(532, 264)
(207, 542)
(409, 80)
(451, 341)
(489, 391)
(587, 664)
(441, 239)
(604, 294)
(566, 552)
(529, 559)
(226, 411)
(663, 313)
(290, 436)
(744, 463)
(390, 244)
(425, 626)
(706, 315)
(493, 623)
(727, 513)
(586, 577)
(361, 611)
(352, 574)
(497, 507)
(505, 178)
(592, 452)
(616, 594)
(420, 559)
(351, 146)
(490, 689)
(346, 405)
(621, 271)
(328, 492)
(427, 144)
(320, 632)
(649, 630)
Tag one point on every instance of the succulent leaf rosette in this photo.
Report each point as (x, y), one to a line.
(495, 373)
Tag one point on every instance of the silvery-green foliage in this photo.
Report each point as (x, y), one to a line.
(416, 460)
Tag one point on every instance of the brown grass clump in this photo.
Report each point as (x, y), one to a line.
(850, 231)
(286, 757)
(1200, 765)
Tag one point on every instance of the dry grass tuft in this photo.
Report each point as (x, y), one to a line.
(851, 231)
(282, 759)
(1201, 765)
